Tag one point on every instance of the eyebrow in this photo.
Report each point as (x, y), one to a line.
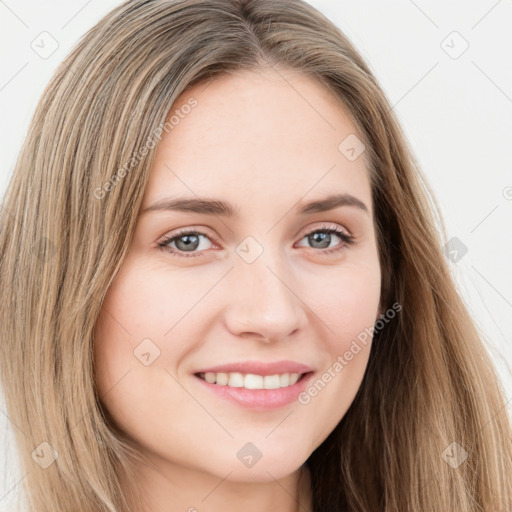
(208, 206)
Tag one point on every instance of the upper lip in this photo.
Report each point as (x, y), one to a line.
(259, 368)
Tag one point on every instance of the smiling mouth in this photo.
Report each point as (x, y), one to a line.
(252, 381)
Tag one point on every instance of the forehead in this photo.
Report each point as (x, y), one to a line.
(265, 136)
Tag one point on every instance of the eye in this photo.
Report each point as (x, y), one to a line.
(321, 238)
(187, 241)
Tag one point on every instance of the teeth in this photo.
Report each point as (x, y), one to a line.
(271, 382)
(210, 377)
(221, 379)
(294, 377)
(236, 380)
(251, 381)
(284, 380)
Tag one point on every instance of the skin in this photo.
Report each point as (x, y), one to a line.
(261, 141)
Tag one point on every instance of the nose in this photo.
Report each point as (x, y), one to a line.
(263, 302)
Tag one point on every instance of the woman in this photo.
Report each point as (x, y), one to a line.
(174, 339)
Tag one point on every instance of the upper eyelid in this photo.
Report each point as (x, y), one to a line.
(303, 232)
(324, 226)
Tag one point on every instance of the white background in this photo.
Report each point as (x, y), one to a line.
(456, 112)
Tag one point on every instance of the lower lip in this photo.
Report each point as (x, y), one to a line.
(259, 399)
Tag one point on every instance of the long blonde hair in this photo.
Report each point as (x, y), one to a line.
(68, 219)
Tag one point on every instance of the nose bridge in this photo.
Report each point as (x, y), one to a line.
(263, 301)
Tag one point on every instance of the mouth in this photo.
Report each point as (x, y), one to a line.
(251, 380)
(252, 391)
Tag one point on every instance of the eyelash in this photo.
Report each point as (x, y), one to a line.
(346, 238)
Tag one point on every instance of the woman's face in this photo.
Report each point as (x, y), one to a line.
(265, 289)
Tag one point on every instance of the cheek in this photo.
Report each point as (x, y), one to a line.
(122, 326)
(353, 316)
(151, 300)
(113, 356)
(347, 302)
(130, 364)
(349, 310)
(136, 340)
